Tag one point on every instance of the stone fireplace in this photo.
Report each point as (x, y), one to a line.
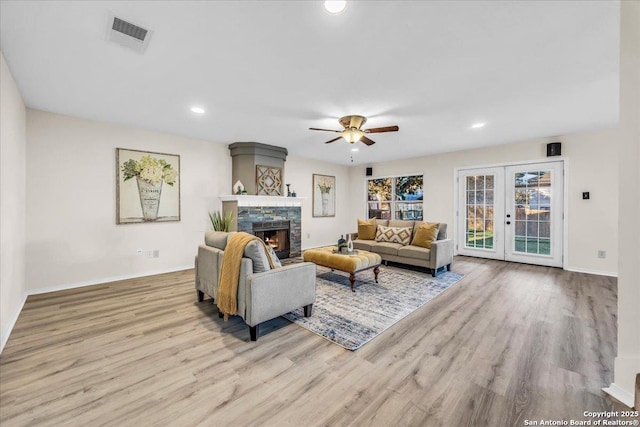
(253, 214)
(275, 219)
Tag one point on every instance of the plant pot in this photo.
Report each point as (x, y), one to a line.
(149, 198)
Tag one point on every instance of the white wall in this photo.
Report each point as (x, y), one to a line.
(591, 159)
(12, 201)
(320, 231)
(72, 236)
(627, 364)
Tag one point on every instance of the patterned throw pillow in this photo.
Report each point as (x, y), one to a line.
(367, 229)
(426, 234)
(400, 235)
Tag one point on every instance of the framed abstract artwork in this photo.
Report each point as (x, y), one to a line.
(147, 187)
(324, 195)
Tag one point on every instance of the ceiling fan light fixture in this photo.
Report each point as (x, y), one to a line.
(353, 131)
(352, 135)
(335, 6)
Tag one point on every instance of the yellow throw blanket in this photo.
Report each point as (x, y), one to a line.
(230, 272)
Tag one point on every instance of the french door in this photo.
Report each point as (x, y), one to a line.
(512, 213)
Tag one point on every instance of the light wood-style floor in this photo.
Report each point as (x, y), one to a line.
(509, 342)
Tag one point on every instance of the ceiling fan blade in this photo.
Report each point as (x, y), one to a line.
(334, 139)
(326, 130)
(382, 129)
(367, 140)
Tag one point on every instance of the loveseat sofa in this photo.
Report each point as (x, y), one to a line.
(263, 293)
(437, 258)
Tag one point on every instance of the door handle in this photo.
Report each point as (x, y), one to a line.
(508, 222)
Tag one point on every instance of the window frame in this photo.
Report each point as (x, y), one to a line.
(393, 202)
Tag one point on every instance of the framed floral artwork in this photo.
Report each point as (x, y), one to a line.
(147, 187)
(324, 195)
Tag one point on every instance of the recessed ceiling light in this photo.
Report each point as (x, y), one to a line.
(197, 110)
(478, 125)
(355, 149)
(335, 6)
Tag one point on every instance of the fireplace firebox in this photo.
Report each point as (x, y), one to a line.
(274, 234)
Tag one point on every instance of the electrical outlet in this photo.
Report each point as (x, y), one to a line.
(139, 252)
(308, 235)
(602, 254)
(156, 253)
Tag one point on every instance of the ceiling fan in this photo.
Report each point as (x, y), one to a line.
(352, 130)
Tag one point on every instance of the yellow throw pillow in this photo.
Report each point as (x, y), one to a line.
(367, 229)
(426, 233)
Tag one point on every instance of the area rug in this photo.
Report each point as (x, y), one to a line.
(351, 319)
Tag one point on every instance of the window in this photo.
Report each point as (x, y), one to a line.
(395, 197)
(480, 213)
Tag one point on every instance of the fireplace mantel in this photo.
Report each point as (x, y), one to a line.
(249, 200)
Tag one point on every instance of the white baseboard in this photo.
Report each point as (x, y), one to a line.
(622, 395)
(66, 286)
(596, 272)
(12, 322)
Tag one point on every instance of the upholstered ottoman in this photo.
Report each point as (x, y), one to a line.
(352, 264)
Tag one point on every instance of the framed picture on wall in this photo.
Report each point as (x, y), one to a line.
(147, 187)
(268, 180)
(324, 195)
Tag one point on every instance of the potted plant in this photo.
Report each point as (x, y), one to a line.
(221, 222)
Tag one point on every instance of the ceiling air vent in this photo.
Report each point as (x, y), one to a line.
(128, 34)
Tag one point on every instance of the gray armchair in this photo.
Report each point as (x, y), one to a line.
(262, 295)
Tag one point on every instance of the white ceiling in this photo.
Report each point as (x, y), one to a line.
(266, 71)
